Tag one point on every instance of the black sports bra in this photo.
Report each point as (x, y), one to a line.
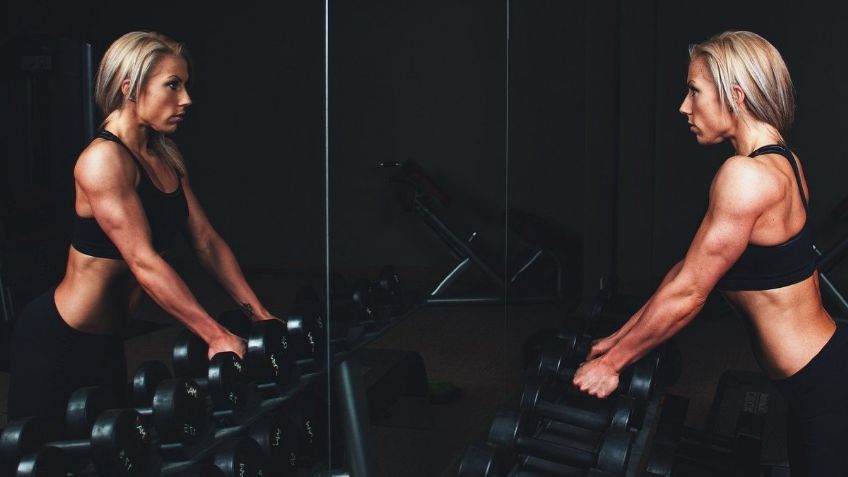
(774, 266)
(167, 215)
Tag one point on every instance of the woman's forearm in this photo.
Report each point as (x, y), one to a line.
(218, 259)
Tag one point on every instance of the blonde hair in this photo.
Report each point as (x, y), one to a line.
(749, 61)
(133, 57)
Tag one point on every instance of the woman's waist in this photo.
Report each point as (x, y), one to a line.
(97, 305)
(787, 342)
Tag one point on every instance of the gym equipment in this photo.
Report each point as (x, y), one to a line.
(45, 462)
(270, 358)
(485, 459)
(513, 430)
(540, 400)
(119, 443)
(240, 457)
(305, 338)
(178, 410)
(678, 450)
(223, 377)
(636, 381)
(418, 192)
(277, 437)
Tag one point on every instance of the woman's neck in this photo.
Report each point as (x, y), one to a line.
(752, 134)
(131, 132)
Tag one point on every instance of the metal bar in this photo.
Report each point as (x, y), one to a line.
(353, 412)
(489, 300)
(451, 277)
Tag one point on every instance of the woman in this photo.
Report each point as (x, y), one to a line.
(754, 245)
(132, 198)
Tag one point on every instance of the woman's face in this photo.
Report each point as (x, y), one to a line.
(708, 117)
(164, 98)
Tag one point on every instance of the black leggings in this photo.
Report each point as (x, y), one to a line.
(817, 396)
(49, 360)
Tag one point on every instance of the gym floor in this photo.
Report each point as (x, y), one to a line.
(476, 348)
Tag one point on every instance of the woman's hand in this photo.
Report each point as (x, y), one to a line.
(600, 347)
(227, 342)
(266, 316)
(596, 378)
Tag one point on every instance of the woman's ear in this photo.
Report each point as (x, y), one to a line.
(738, 95)
(125, 90)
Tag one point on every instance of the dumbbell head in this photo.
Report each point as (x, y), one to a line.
(145, 380)
(279, 439)
(307, 326)
(22, 437)
(179, 410)
(269, 356)
(482, 459)
(614, 451)
(638, 380)
(84, 407)
(190, 356)
(227, 381)
(45, 462)
(120, 443)
(240, 457)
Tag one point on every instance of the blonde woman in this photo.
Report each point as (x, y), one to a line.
(132, 198)
(754, 244)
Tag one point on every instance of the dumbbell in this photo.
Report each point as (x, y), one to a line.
(388, 290)
(223, 377)
(44, 462)
(240, 457)
(540, 400)
(485, 459)
(236, 456)
(305, 322)
(177, 410)
(636, 380)
(513, 430)
(270, 359)
(119, 443)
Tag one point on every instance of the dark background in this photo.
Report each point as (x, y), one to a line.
(567, 110)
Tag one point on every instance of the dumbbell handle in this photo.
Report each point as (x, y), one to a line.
(556, 452)
(588, 419)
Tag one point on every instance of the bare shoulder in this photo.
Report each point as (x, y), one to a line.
(104, 164)
(743, 183)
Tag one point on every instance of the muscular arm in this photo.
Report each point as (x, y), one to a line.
(107, 183)
(738, 197)
(218, 259)
(603, 345)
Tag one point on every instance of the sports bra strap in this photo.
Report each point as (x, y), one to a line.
(785, 152)
(109, 136)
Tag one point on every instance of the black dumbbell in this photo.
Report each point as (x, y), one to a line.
(388, 290)
(637, 380)
(177, 410)
(44, 462)
(241, 457)
(513, 430)
(305, 327)
(223, 377)
(119, 443)
(280, 441)
(485, 459)
(540, 398)
(236, 456)
(270, 358)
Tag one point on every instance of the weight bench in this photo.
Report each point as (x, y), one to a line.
(545, 250)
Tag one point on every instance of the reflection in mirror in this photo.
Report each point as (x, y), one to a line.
(417, 242)
(242, 100)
